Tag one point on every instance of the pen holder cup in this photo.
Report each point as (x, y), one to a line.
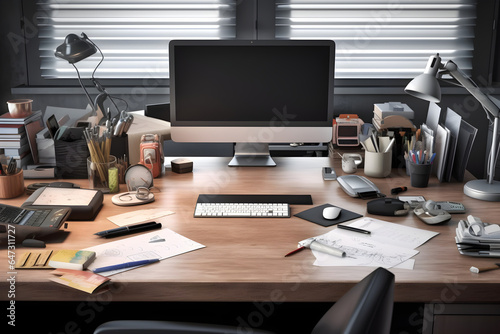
(419, 174)
(378, 164)
(103, 175)
(12, 185)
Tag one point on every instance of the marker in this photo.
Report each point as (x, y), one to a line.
(353, 229)
(432, 158)
(398, 190)
(125, 265)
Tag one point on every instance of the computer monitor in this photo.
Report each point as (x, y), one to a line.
(251, 93)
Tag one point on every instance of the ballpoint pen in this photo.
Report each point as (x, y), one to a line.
(353, 229)
(295, 251)
(125, 265)
(115, 232)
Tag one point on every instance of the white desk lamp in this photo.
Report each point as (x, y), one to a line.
(426, 87)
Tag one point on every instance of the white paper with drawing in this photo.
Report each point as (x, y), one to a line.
(160, 244)
(387, 246)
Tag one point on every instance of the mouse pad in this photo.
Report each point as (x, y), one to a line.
(315, 215)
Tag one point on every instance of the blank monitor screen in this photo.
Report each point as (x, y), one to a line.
(251, 91)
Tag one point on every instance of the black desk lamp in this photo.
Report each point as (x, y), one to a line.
(77, 48)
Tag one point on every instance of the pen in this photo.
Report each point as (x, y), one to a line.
(115, 232)
(295, 251)
(353, 229)
(125, 265)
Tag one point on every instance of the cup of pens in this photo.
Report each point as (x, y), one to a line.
(11, 180)
(101, 165)
(419, 173)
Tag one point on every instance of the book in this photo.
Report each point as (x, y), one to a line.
(71, 259)
(16, 153)
(14, 142)
(382, 110)
(12, 136)
(9, 129)
(85, 281)
(7, 118)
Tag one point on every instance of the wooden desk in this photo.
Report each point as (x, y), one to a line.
(244, 258)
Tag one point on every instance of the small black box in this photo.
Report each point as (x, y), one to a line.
(182, 165)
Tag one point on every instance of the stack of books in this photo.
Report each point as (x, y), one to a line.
(475, 238)
(17, 136)
(396, 113)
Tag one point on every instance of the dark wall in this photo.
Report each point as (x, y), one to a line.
(12, 57)
(358, 101)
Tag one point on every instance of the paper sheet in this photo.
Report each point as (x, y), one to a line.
(388, 245)
(65, 196)
(142, 247)
(138, 216)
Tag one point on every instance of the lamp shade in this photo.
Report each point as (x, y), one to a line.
(75, 48)
(426, 86)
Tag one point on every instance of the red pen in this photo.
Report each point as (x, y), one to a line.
(295, 251)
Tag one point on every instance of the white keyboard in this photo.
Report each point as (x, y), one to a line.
(247, 210)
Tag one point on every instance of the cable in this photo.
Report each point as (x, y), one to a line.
(83, 86)
(96, 83)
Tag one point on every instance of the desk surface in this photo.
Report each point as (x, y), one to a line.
(244, 258)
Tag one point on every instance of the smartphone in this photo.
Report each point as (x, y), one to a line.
(52, 126)
(329, 174)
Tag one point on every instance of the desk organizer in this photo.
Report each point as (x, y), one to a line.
(12, 185)
(71, 159)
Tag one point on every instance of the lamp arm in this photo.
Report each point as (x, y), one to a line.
(488, 105)
(452, 68)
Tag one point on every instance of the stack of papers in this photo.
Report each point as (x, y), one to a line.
(475, 238)
(387, 246)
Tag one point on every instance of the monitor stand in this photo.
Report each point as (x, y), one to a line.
(251, 155)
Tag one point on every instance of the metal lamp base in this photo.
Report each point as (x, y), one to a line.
(482, 190)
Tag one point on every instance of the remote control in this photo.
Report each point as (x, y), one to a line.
(451, 207)
(329, 174)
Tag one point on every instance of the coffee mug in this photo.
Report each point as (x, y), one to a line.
(350, 162)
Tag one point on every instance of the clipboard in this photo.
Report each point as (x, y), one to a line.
(85, 204)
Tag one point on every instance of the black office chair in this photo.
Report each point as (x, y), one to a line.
(366, 308)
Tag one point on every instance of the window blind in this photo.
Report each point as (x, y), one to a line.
(133, 35)
(383, 39)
